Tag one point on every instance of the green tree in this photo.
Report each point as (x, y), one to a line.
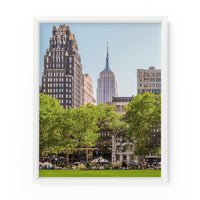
(108, 124)
(68, 137)
(143, 114)
(49, 123)
(85, 129)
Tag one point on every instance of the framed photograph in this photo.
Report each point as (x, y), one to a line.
(100, 107)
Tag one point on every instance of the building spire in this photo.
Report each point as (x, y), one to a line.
(107, 67)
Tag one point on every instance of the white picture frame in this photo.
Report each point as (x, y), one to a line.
(164, 105)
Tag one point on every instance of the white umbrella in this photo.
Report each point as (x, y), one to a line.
(47, 164)
(100, 160)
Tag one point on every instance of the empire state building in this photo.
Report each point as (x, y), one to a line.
(106, 84)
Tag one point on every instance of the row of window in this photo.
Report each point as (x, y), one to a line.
(58, 85)
(151, 85)
(156, 91)
(60, 95)
(55, 79)
(61, 101)
(155, 79)
(58, 42)
(56, 74)
(153, 74)
(58, 90)
(58, 79)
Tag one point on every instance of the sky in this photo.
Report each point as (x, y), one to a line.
(132, 46)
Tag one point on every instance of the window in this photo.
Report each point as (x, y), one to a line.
(70, 80)
(70, 96)
(70, 85)
(66, 79)
(66, 101)
(66, 84)
(124, 157)
(66, 90)
(70, 60)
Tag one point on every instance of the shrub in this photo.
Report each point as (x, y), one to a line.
(117, 164)
(88, 164)
(70, 166)
(62, 164)
(81, 166)
(108, 166)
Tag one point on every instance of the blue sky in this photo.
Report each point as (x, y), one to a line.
(131, 46)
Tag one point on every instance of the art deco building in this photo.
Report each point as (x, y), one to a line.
(62, 77)
(149, 80)
(106, 84)
(88, 96)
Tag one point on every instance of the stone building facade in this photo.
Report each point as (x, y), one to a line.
(120, 102)
(122, 149)
(106, 84)
(88, 96)
(149, 80)
(62, 76)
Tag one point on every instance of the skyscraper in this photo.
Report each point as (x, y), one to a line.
(62, 77)
(106, 84)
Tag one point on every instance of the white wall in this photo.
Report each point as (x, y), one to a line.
(16, 46)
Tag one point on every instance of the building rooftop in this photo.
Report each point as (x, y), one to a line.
(122, 99)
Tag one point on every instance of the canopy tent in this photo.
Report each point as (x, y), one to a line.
(47, 164)
(100, 160)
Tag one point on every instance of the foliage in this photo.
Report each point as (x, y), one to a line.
(108, 166)
(65, 130)
(143, 114)
(81, 166)
(62, 164)
(49, 126)
(117, 164)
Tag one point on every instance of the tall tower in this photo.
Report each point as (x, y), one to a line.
(62, 77)
(106, 84)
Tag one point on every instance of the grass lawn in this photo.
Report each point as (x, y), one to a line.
(100, 173)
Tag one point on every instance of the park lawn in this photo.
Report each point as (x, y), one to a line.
(99, 173)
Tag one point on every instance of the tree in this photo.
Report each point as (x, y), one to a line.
(68, 138)
(108, 123)
(85, 129)
(143, 114)
(49, 123)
